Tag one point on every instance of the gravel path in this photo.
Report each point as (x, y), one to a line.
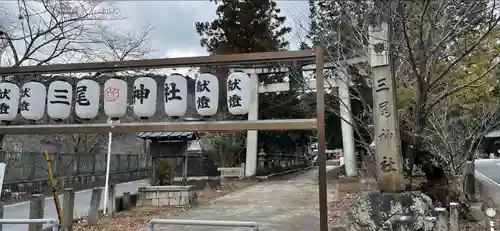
(275, 205)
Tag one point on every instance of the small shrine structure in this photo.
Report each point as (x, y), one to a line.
(191, 165)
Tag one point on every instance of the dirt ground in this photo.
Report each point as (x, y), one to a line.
(138, 217)
(348, 191)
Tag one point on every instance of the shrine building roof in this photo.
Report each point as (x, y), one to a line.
(167, 135)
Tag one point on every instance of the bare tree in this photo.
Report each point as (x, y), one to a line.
(454, 141)
(114, 47)
(442, 48)
(224, 147)
(45, 32)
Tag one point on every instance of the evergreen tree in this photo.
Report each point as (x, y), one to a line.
(338, 25)
(246, 26)
(243, 27)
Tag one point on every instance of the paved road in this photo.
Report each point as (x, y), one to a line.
(82, 203)
(488, 168)
(275, 205)
(488, 171)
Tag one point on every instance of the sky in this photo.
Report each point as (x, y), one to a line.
(173, 23)
(173, 31)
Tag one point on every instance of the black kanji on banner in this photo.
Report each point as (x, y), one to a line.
(203, 102)
(81, 96)
(235, 101)
(233, 85)
(141, 93)
(25, 92)
(24, 106)
(202, 86)
(171, 92)
(4, 108)
(61, 96)
(5, 93)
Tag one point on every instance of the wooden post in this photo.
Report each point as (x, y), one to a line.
(36, 211)
(442, 219)
(127, 203)
(32, 174)
(68, 209)
(454, 226)
(111, 200)
(387, 142)
(94, 162)
(153, 171)
(1, 214)
(95, 201)
(129, 168)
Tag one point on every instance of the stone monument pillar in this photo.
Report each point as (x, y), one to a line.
(375, 210)
(387, 141)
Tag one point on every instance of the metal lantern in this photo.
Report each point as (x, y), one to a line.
(115, 98)
(33, 97)
(87, 99)
(59, 99)
(238, 93)
(175, 95)
(145, 92)
(207, 94)
(9, 101)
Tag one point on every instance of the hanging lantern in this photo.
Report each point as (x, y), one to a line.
(33, 96)
(207, 94)
(175, 95)
(87, 99)
(238, 93)
(9, 101)
(144, 97)
(115, 98)
(59, 99)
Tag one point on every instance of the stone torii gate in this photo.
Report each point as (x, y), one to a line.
(341, 83)
(249, 60)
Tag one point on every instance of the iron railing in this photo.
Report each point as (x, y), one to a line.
(213, 223)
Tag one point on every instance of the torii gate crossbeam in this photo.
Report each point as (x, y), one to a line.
(248, 59)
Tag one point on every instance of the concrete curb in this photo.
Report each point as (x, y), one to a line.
(262, 178)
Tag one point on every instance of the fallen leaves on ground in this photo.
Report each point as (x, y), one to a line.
(138, 217)
(475, 226)
(348, 191)
(132, 220)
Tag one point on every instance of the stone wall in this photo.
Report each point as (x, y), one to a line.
(166, 195)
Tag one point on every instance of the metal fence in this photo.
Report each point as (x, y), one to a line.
(29, 166)
(206, 223)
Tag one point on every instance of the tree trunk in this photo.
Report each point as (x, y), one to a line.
(469, 182)
(443, 189)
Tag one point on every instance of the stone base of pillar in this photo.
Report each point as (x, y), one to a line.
(374, 211)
